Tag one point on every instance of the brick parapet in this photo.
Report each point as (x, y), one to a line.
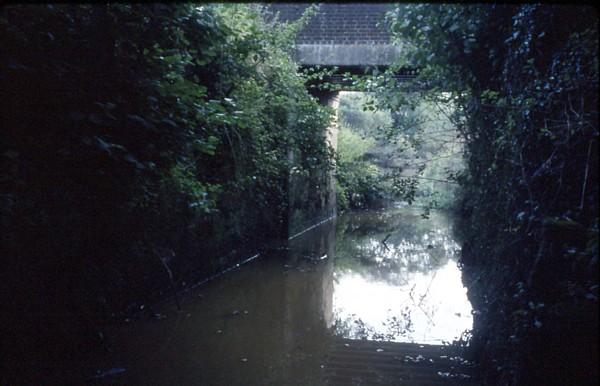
(339, 23)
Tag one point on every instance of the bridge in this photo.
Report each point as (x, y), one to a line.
(352, 37)
(344, 39)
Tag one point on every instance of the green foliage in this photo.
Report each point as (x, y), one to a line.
(431, 152)
(131, 129)
(357, 179)
(357, 110)
(363, 153)
(524, 80)
(415, 150)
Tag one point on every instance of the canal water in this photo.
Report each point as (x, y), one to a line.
(378, 275)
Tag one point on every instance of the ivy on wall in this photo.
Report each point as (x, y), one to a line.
(525, 82)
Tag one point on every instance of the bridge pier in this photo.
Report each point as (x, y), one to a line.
(351, 38)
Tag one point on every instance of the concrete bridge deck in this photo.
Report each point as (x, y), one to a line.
(362, 362)
(351, 38)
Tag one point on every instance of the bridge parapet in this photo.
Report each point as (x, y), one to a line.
(349, 35)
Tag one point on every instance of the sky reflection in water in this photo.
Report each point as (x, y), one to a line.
(407, 289)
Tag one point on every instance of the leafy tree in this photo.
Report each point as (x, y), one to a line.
(358, 179)
(141, 145)
(524, 79)
(414, 151)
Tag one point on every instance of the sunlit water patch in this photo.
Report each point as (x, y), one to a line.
(396, 279)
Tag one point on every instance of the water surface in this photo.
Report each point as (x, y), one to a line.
(377, 275)
(396, 278)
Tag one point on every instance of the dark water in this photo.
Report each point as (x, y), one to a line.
(269, 323)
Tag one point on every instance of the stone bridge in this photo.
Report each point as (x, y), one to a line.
(354, 37)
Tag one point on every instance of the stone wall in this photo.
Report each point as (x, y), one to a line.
(312, 198)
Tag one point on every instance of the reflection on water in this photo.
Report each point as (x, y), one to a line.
(270, 322)
(264, 324)
(396, 278)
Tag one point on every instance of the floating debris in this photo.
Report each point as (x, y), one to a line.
(448, 374)
(108, 373)
(313, 257)
(460, 360)
(417, 359)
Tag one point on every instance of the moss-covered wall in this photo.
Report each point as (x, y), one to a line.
(312, 196)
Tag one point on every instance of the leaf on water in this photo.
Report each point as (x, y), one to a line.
(109, 372)
(131, 159)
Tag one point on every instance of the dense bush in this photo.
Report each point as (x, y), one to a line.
(358, 181)
(525, 80)
(137, 138)
(404, 155)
